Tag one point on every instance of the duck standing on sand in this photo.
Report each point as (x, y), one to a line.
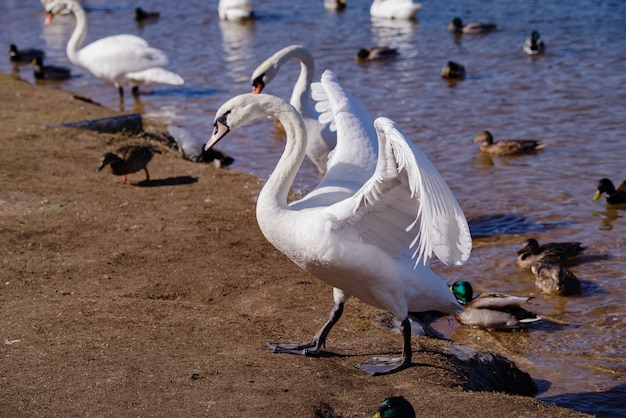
(554, 279)
(613, 196)
(457, 26)
(127, 160)
(491, 311)
(532, 254)
(506, 146)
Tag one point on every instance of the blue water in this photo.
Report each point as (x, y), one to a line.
(573, 98)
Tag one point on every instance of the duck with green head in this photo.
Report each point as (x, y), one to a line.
(491, 311)
(534, 45)
(613, 196)
(395, 407)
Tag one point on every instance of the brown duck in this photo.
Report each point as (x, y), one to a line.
(127, 160)
(506, 146)
(533, 254)
(554, 279)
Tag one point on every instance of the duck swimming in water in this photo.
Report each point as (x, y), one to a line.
(506, 146)
(532, 254)
(613, 195)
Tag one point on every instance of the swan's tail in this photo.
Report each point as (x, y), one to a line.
(155, 75)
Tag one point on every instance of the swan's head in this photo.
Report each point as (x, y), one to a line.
(244, 108)
(58, 7)
(267, 71)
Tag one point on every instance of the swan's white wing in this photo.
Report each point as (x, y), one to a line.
(406, 204)
(116, 55)
(354, 157)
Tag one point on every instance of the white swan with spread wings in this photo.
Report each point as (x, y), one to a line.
(367, 236)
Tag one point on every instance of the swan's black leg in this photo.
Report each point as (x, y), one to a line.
(313, 347)
(135, 91)
(120, 90)
(387, 365)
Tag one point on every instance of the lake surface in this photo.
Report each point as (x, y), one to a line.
(572, 98)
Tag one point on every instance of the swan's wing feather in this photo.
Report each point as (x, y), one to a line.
(354, 157)
(406, 203)
(113, 56)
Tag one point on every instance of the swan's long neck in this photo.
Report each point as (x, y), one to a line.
(302, 88)
(273, 197)
(78, 36)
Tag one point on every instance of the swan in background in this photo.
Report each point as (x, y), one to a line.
(320, 140)
(534, 45)
(360, 236)
(121, 59)
(394, 9)
(235, 10)
(338, 5)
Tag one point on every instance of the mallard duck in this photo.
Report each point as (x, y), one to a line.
(613, 195)
(532, 254)
(491, 311)
(338, 5)
(395, 407)
(506, 146)
(554, 279)
(457, 26)
(24, 55)
(534, 45)
(453, 70)
(140, 15)
(127, 160)
(49, 72)
(376, 53)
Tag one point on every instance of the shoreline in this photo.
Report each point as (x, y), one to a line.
(157, 299)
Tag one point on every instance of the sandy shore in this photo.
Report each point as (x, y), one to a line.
(157, 298)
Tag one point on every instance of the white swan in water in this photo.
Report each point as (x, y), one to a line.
(394, 9)
(235, 10)
(320, 140)
(122, 59)
(360, 239)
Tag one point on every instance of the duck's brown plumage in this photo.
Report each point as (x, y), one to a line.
(127, 160)
(532, 254)
(554, 279)
(376, 53)
(506, 146)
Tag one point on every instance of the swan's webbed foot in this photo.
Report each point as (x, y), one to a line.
(313, 347)
(384, 365)
(387, 365)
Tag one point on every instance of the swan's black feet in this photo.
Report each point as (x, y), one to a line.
(312, 348)
(384, 365)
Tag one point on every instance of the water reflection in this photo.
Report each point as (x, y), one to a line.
(607, 217)
(395, 33)
(237, 38)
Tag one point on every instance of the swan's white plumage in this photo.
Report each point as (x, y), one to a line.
(235, 9)
(320, 140)
(122, 59)
(360, 243)
(394, 9)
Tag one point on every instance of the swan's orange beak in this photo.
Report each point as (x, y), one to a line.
(48, 19)
(220, 131)
(257, 88)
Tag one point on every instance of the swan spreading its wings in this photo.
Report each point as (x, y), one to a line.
(360, 233)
